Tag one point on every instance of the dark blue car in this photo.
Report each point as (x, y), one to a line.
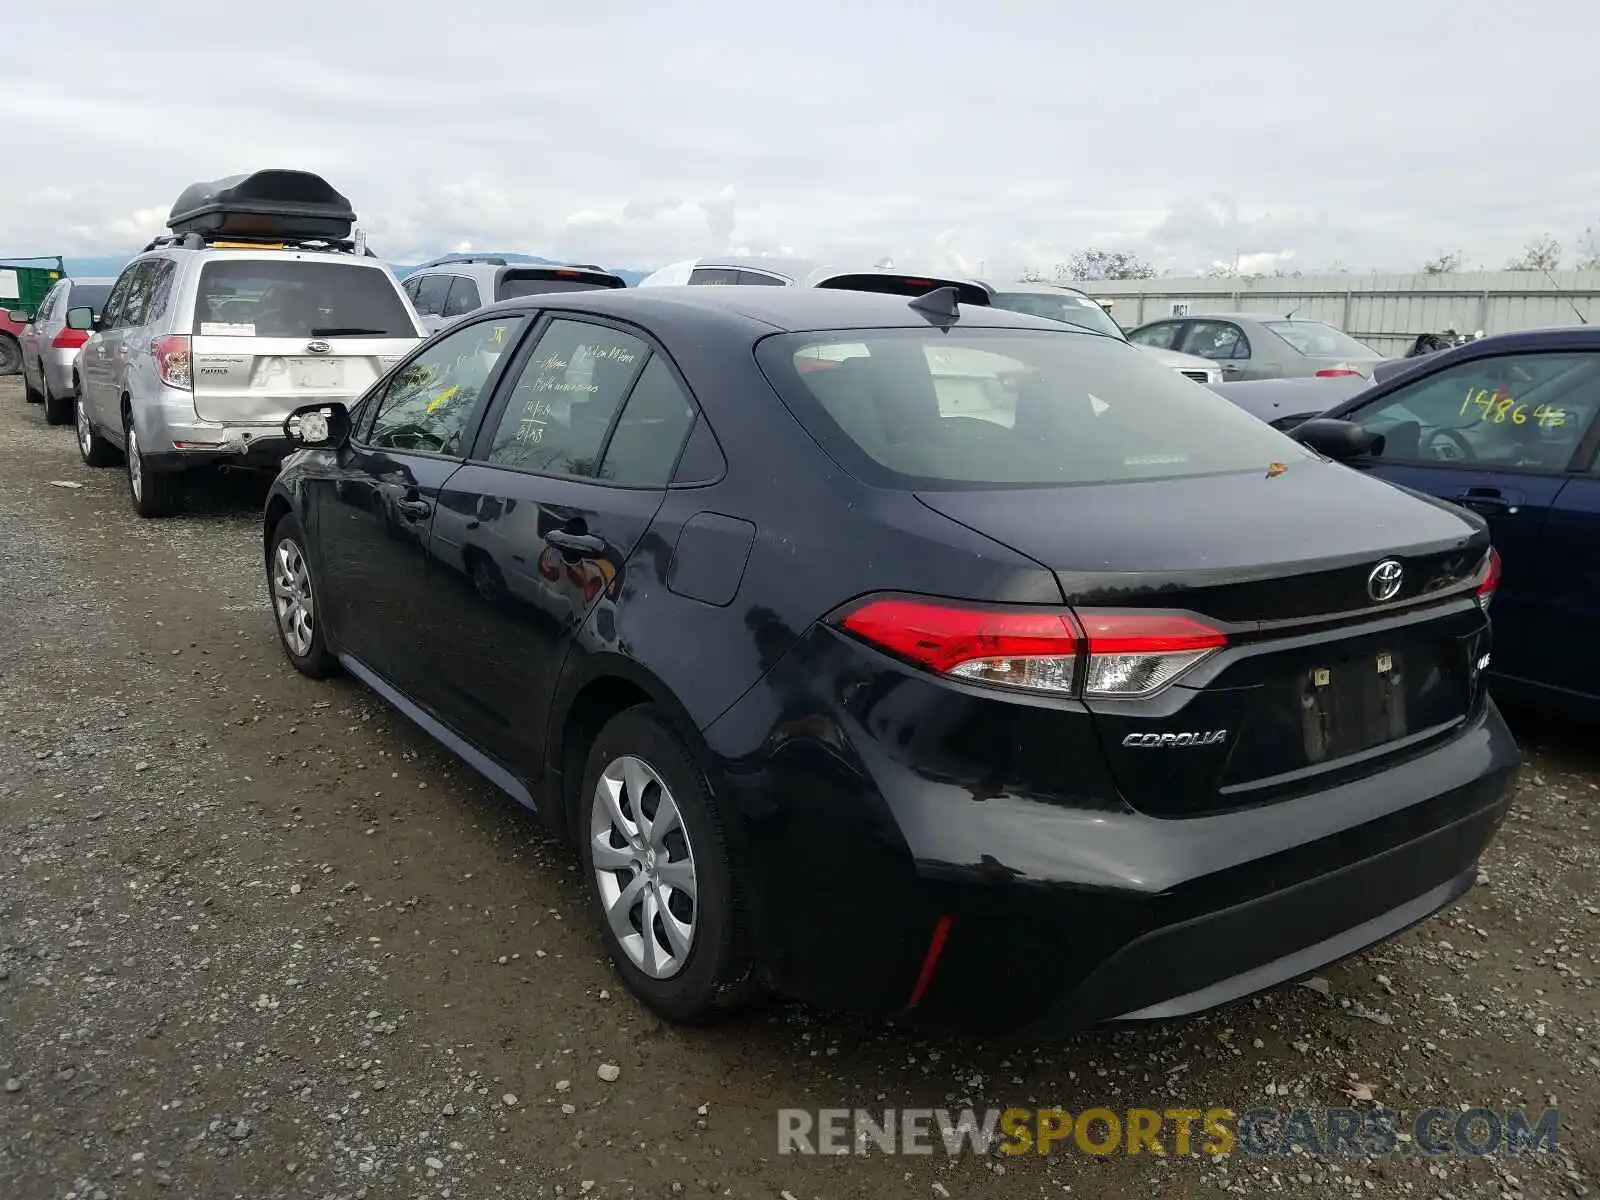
(1507, 427)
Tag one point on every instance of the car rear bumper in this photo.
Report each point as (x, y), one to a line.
(58, 367)
(176, 440)
(893, 886)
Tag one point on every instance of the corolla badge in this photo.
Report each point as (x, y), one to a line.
(318, 347)
(1384, 582)
(1200, 737)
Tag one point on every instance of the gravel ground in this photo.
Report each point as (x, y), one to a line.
(260, 938)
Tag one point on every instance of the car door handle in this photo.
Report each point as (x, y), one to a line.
(1507, 502)
(414, 510)
(584, 545)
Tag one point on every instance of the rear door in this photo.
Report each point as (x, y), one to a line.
(270, 333)
(375, 511)
(1497, 435)
(1569, 569)
(535, 533)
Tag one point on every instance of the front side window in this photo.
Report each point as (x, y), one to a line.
(1518, 411)
(561, 409)
(426, 405)
(1159, 336)
(1216, 340)
(296, 298)
(987, 408)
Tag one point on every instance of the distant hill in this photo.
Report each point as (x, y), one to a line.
(111, 265)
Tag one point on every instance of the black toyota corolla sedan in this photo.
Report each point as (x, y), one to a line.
(903, 656)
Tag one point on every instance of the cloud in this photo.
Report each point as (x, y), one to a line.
(640, 135)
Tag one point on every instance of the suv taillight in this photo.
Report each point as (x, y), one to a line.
(1092, 653)
(70, 339)
(173, 361)
(1488, 578)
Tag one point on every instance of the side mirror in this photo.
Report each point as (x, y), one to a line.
(1338, 440)
(81, 318)
(20, 317)
(318, 426)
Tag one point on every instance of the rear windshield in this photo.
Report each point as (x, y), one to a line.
(89, 295)
(1317, 340)
(987, 408)
(294, 298)
(1062, 306)
(531, 283)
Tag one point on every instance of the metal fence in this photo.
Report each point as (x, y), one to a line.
(1385, 311)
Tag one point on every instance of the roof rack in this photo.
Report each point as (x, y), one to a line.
(494, 260)
(193, 240)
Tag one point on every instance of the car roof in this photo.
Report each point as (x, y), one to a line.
(760, 311)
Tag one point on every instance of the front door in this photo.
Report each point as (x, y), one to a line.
(1570, 571)
(1497, 435)
(94, 360)
(375, 511)
(535, 534)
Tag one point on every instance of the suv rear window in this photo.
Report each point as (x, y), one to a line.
(295, 298)
(89, 295)
(533, 283)
(999, 407)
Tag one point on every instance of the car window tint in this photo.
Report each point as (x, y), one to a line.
(463, 297)
(137, 300)
(1216, 340)
(432, 292)
(644, 446)
(978, 407)
(112, 313)
(1526, 411)
(427, 403)
(560, 411)
(298, 298)
(1160, 336)
(714, 275)
(161, 290)
(760, 279)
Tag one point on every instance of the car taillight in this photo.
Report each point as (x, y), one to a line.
(1137, 654)
(172, 360)
(1096, 654)
(1488, 578)
(1335, 372)
(70, 339)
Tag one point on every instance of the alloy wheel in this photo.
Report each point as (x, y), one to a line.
(644, 866)
(291, 598)
(85, 430)
(135, 467)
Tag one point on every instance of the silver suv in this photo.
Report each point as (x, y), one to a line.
(457, 284)
(256, 304)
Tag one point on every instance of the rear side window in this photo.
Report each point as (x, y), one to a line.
(293, 298)
(644, 446)
(558, 415)
(463, 297)
(760, 279)
(986, 408)
(721, 275)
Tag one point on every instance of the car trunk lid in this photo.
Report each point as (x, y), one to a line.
(1323, 671)
(261, 380)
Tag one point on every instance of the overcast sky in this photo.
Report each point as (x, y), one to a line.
(975, 136)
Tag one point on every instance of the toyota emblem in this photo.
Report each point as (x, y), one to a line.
(1384, 582)
(318, 347)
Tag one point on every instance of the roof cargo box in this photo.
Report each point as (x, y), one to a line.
(292, 205)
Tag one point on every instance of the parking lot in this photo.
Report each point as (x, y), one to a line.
(259, 937)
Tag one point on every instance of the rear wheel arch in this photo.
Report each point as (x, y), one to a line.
(584, 704)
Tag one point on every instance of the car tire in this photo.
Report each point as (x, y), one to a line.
(10, 355)
(293, 596)
(154, 494)
(57, 409)
(644, 764)
(94, 449)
